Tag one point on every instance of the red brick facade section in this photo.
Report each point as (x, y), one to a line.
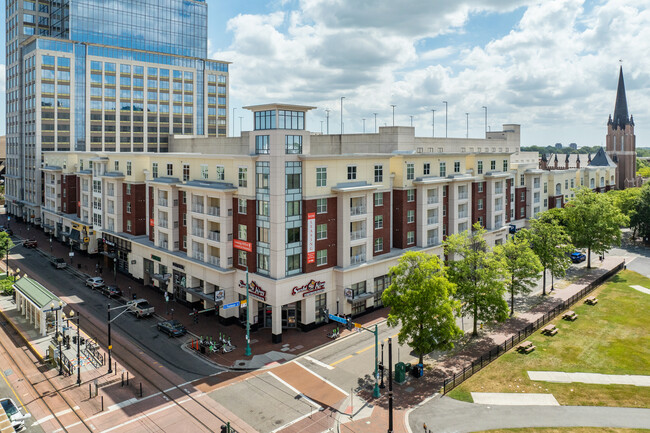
(138, 216)
(69, 194)
(508, 191)
(476, 196)
(182, 212)
(151, 227)
(78, 200)
(553, 200)
(401, 206)
(445, 205)
(251, 233)
(328, 244)
(384, 233)
(519, 203)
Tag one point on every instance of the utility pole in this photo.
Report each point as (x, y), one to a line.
(467, 125)
(485, 108)
(247, 352)
(390, 385)
(364, 125)
(328, 121)
(433, 123)
(233, 121)
(342, 98)
(411, 120)
(446, 112)
(375, 122)
(110, 363)
(393, 105)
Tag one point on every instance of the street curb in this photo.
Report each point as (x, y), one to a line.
(422, 403)
(31, 348)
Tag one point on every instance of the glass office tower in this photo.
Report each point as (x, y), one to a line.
(104, 76)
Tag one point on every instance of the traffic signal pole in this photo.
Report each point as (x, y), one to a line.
(375, 391)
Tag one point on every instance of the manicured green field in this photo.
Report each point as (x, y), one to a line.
(612, 337)
(567, 430)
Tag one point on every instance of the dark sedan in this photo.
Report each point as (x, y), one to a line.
(111, 291)
(173, 328)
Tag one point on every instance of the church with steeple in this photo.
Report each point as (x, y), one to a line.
(621, 141)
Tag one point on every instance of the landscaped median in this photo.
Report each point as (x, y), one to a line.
(611, 337)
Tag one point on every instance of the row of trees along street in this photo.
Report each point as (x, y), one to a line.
(426, 295)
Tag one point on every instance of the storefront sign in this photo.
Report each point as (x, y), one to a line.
(254, 290)
(178, 265)
(109, 243)
(219, 295)
(151, 222)
(156, 258)
(348, 294)
(311, 237)
(242, 245)
(310, 288)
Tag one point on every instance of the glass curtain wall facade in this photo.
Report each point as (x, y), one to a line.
(92, 75)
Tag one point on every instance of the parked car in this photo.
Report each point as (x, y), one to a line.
(111, 291)
(14, 414)
(140, 307)
(578, 257)
(173, 328)
(95, 282)
(59, 263)
(30, 243)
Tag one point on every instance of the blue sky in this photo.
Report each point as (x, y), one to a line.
(549, 65)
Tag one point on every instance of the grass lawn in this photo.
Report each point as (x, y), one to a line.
(567, 430)
(612, 337)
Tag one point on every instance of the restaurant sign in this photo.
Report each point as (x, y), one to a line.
(310, 288)
(254, 290)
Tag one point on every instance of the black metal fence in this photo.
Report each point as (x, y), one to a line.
(489, 356)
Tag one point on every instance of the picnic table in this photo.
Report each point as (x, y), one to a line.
(570, 315)
(550, 330)
(525, 347)
(592, 300)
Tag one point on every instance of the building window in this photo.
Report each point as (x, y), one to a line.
(545, 187)
(352, 172)
(170, 169)
(293, 235)
(479, 168)
(379, 222)
(321, 176)
(186, 172)
(128, 226)
(522, 196)
(117, 165)
(410, 195)
(410, 171)
(522, 180)
(379, 173)
(444, 210)
(456, 166)
(293, 262)
(293, 208)
(128, 207)
(128, 168)
(427, 168)
(128, 189)
(545, 202)
(480, 187)
(321, 205)
(154, 169)
(410, 216)
(321, 257)
(262, 144)
(522, 212)
(262, 208)
(443, 169)
(505, 165)
(293, 181)
(184, 197)
(241, 206)
(185, 241)
(379, 199)
(242, 232)
(242, 258)
(493, 165)
(184, 220)
(379, 245)
(221, 172)
(243, 177)
(410, 238)
(480, 204)
(204, 171)
(321, 232)
(293, 144)
(480, 221)
(566, 183)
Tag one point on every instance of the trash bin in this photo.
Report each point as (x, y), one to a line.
(202, 349)
(400, 372)
(419, 370)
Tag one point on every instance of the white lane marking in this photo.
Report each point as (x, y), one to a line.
(307, 399)
(317, 362)
(344, 339)
(641, 289)
(58, 414)
(290, 423)
(321, 378)
(147, 415)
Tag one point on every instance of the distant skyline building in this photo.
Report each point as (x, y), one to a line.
(621, 141)
(119, 76)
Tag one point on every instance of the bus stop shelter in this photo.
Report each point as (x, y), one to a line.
(36, 304)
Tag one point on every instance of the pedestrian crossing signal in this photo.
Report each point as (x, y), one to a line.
(349, 324)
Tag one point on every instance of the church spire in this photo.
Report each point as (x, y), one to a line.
(620, 110)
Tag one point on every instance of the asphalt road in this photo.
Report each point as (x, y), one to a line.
(141, 332)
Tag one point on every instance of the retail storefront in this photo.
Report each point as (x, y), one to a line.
(116, 251)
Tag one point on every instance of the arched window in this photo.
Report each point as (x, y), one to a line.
(592, 183)
(602, 181)
(558, 189)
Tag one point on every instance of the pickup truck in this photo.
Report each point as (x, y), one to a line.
(140, 307)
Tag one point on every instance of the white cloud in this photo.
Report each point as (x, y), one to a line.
(554, 72)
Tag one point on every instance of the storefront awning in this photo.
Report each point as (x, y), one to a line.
(162, 278)
(109, 255)
(360, 298)
(198, 291)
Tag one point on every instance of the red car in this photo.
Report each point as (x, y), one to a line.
(30, 243)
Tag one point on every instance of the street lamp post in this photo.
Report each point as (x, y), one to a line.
(433, 123)
(110, 363)
(342, 98)
(59, 339)
(375, 392)
(381, 385)
(240, 124)
(375, 122)
(72, 317)
(233, 121)
(446, 111)
(364, 125)
(321, 127)
(467, 125)
(328, 121)
(393, 105)
(71, 252)
(50, 242)
(115, 269)
(247, 352)
(390, 385)
(485, 108)
(411, 120)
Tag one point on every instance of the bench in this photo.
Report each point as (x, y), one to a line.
(570, 315)
(550, 330)
(526, 347)
(592, 300)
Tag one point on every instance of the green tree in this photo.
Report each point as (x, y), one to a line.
(640, 219)
(5, 244)
(478, 274)
(550, 242)
(593, 222)
(522, 266)
(420, 297)
(625, 199)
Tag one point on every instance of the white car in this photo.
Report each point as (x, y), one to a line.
(14, 414)
(95, 282)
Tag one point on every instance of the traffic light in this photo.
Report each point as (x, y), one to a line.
(349, 324)
(326, 315)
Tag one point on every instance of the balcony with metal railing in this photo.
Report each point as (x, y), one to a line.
(198, 255)
(359, 258)
(432, 220)
(432, 199)
(164, 244)
(357, 210)
(498, 207)
(197, 231)
(164, 224)
(214, 211)
(214, 260)
(432, 241)
(462, 214)
(357, 234)
(214, 236)
(462, 196)
(197, 208)
(498, 190)
(163, 202)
